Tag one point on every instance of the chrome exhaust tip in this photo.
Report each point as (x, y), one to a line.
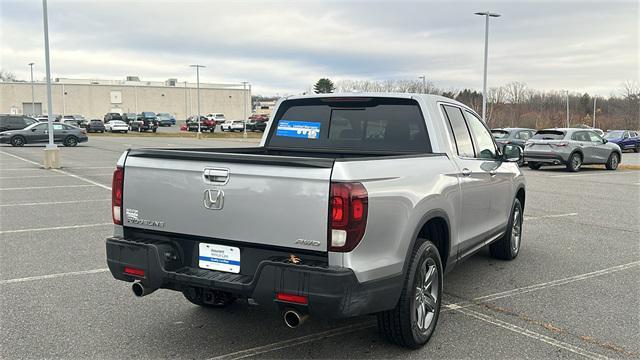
(293, 318)
(140, 290)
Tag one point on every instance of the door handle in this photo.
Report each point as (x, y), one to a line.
(466, 172)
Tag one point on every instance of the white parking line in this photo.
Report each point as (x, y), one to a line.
(588, 174)
(64, 172)
(534, 335)
(53, 228)
(52, 276)
(55, 202)
(294, 342)
(45, 187)
(549, 216)
(541, 286)
(43, 176)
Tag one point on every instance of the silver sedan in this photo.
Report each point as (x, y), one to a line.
(572, 148)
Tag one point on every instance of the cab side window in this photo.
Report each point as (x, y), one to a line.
(523, 135)
(485, 147)
(459, 130)
(593, 137)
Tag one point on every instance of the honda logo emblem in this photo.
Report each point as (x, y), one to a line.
(213, 199)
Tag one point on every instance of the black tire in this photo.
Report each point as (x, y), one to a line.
(399, 325)
(155, 129)
(70, 141)
(637, 148)
(125, 131)
(508, 247)
(18, 141)
(196, 297)
(534, 165)
(139, 129)
(575, 162)
(613, 161)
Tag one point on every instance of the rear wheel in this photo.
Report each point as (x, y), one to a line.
(508, 247)
(574, 163)
(613, 161)
(637, 148)
(210, 299)
(412, 322)
(70, 141)
(534, 165)
(18, 141)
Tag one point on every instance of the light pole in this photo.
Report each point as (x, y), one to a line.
(594, 111)
(487, 15)
(568, 124)
(51, 152)
(33, 97)
(424, 84)
(244, 107)
(198, 94)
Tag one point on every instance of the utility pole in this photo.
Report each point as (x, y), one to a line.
(198, 95)
(33, 101)
(424, 83)
(51, 152)
(64, 104)
(594, 112)
(487, 15)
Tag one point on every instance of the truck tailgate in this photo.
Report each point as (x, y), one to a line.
(246, 198)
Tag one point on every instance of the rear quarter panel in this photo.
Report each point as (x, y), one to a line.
(401, 192)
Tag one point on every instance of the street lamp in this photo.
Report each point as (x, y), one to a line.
(424, 83)
(487, 15)
(33, 101)
(198, 94)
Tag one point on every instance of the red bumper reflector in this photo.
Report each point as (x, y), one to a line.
(297, 299)
(133, 271)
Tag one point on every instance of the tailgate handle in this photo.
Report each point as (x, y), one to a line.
(216, 175)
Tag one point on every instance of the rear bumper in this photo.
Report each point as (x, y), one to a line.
(332, 292)
(545, 157)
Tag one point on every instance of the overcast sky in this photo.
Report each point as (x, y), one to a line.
(284, 47)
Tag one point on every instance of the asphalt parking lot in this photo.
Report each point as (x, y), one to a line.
(573, 292)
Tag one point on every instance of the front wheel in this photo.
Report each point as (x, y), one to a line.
(508, 247)
(637, 148)
(534, 165)
(412, 322)
(613, 161)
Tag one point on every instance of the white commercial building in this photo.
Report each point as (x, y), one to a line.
(94, 98)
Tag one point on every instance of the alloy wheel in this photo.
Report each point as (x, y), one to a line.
(426, 295)
(516, 230)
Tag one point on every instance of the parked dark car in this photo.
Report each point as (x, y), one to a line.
(626, 139)
(205, 124)
(95, 126)
(147, 121)
(517, 136)
(112, 116)
(255, 125)
(129, 117)
(164, 120)
(168, 115)
(15, 122)
(39, 133)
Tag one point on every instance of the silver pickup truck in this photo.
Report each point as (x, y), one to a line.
(350, 205)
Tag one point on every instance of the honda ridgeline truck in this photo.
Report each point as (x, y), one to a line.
(358, 204)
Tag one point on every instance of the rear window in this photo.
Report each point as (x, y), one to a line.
(361, 124)
(500, 134)
(548, 135)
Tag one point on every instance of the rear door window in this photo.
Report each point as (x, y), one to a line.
(351, 124)
(460, 132)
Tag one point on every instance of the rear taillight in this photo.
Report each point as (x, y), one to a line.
(116, 195)
(560, 144)
(348, 208)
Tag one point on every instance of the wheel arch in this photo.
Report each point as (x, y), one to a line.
(436, 227)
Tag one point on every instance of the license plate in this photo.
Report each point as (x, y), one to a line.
(219, 257)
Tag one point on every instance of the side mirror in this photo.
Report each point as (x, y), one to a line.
(511, 153)
(604, 141)
(33, 130)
